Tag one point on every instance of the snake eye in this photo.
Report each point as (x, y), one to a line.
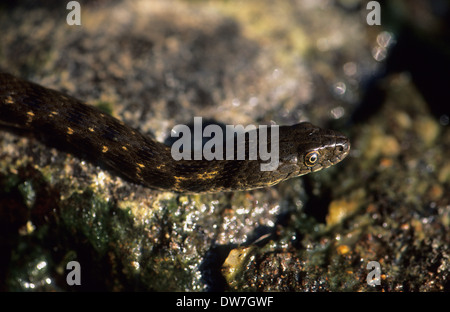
(312, 158)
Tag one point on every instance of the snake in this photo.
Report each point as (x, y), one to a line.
(59, 117)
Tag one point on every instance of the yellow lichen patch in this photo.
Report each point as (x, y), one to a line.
(91, 129)
(436, 192)
(69, 131)
(390, 146)
(124, 148)
(380, 144)
(340, 209)
(104, 149)
(266, 28)
(444, 174)
(427, 129)
(343, 249)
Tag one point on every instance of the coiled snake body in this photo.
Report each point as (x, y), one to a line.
(303, 147)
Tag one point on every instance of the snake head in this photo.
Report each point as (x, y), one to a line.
(306, 148)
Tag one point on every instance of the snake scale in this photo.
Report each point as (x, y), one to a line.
(303, 148)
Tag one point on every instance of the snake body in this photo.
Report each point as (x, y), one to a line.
(303, 147)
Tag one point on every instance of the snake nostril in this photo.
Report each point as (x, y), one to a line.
(342, 147)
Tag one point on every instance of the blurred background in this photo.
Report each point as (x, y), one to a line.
(155, 64)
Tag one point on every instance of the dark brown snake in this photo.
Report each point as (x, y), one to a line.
(303, 148)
